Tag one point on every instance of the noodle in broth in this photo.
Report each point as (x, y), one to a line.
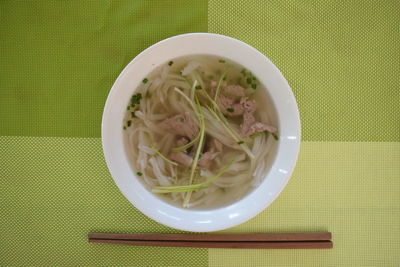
(198, 132)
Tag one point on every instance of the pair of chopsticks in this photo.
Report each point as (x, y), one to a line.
(317, 240)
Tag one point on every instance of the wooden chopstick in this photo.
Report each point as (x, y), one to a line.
(317, 240)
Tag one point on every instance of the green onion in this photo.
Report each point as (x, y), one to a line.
(145, 80)
(167, 190)
(128, 107)
(139, 173)
(135, 99)
(254, 86)
(155, 150)
(231, 132)
(257, 134)
(129, 123)
(133, 115)
(219, 83)
(184, 147)
(275, 136)
(225, 124)
(240, 142)
(230, 110)
(162, 156)
(221, 61)
(198, 87)
(249, 80)
(185, 97)
(194, 187)
(224, 79)
(170, 63)
(199, 148)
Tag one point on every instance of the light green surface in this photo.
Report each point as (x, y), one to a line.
(351, 189)
(54, 191)
(58, 60)
(342, 59)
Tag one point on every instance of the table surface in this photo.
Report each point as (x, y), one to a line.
(59, 60)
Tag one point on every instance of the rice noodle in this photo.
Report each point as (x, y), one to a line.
(168, 93)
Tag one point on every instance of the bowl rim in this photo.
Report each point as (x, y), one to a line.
(219, 218)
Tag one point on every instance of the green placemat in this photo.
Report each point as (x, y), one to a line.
(58, 60)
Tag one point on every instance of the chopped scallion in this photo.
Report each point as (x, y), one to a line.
(145, 80)
(139, 173)
(170, 63)
(135, 99)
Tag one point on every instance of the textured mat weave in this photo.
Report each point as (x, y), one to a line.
(60, 58)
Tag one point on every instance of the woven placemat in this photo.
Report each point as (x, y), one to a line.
(60, 58)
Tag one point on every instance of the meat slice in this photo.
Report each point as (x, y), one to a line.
(230, 100)
(250, 126)
(249, 106)
(229, 106)
(206, 160)
(214, 147)
(182, 141)
(182, 125)
(181, 157)
(256, 128)
(234, 90)
(248, 121)
(213, 85)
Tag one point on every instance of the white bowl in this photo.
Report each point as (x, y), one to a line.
(286, 116)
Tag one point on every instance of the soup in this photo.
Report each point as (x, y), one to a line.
(198, 131)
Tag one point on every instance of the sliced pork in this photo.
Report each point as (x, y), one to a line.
(182, 125)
